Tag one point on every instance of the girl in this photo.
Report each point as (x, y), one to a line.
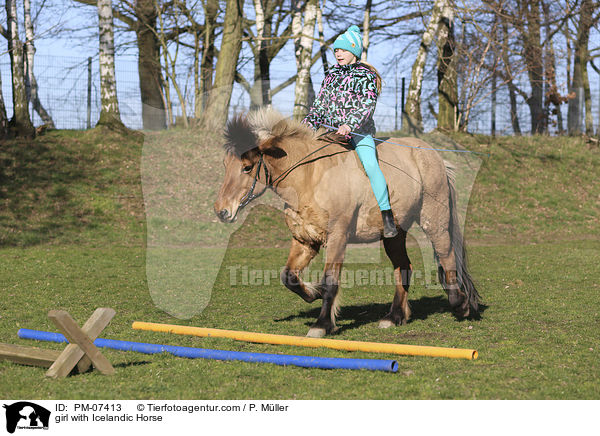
(347, 101)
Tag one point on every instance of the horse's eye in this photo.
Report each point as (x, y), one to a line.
(247, 169)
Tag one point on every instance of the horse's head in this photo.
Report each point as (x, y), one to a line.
(254, 146)
(241, 155)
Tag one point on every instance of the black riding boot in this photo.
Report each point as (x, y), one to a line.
(389, 227)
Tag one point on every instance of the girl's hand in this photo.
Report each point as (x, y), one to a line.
(344, 130)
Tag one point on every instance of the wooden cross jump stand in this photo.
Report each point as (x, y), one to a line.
(80, 352)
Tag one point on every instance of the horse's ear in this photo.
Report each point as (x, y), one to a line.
(269, 148)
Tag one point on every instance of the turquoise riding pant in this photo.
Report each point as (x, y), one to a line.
(365, 148)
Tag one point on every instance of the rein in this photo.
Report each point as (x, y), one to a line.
(297, 164)
(250, 195)
(413, 146)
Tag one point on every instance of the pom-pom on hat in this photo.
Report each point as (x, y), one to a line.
(351, 41)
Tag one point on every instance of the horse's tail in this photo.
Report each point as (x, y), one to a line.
(456, 238)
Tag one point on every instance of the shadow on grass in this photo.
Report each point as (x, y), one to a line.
(91, 369)
(132, 364)
(359, 315)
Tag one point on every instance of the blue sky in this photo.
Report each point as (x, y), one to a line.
(71, 50)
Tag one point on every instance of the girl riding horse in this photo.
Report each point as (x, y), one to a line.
(347, 102)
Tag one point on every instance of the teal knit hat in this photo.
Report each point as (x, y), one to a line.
(350, 41)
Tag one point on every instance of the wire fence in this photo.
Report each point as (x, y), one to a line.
(69, 89)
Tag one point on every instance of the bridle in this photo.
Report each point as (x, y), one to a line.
(250, 195)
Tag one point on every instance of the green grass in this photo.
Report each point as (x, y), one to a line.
(71, 187)
(73, 237)
(538, 337)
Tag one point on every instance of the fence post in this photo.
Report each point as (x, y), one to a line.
(396, 105)
(494, 104)
(402, 105)
(89, 94)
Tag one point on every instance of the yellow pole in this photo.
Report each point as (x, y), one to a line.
(337, 344)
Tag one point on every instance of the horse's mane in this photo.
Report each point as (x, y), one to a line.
(239, 137)
(245, 133)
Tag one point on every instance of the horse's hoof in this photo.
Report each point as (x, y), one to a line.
(316, 333)
(462, 313)
(386, 324)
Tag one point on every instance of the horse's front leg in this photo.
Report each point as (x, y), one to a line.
(300, 256)
(325, 324)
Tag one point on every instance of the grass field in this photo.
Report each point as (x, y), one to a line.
(73, 234)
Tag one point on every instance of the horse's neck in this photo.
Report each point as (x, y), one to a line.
(297, 182)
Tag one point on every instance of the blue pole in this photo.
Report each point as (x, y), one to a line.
(202, 353)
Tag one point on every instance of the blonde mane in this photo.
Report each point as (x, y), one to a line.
(244, 133)
(267, 123)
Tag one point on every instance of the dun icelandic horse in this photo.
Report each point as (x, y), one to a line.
(329, 202)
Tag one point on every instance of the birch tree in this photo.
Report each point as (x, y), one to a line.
(21, 122)
(412, 119)
(322, 47)
(32, 86)
(215, 113)
(140, 17)
(259, 93)
(366, 29)
(266, 41)
(303, 43)
(110, 115)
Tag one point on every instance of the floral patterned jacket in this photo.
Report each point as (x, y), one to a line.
(348, 95)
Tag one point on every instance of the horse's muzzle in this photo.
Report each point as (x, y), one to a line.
(225, 216)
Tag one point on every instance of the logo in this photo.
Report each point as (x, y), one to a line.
(26, 415)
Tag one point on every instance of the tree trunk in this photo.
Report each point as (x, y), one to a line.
(412, 119)
(322, 47)
(21, 122)
(3, 117)
(576, 91)
(259, 93)
(109, 115)
(303, 39)
(215, 114)
(149, 68)
(589, 120)
(32, 82)
(211, 10)
(552, 95)
(447, 76)
(512, 91)
(533, 54)
(366, 29)
(170, 64)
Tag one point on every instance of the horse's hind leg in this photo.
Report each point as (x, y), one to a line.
(442, 245)
(395, 248)
(298, 259)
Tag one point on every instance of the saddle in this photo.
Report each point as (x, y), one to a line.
(345, 141)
